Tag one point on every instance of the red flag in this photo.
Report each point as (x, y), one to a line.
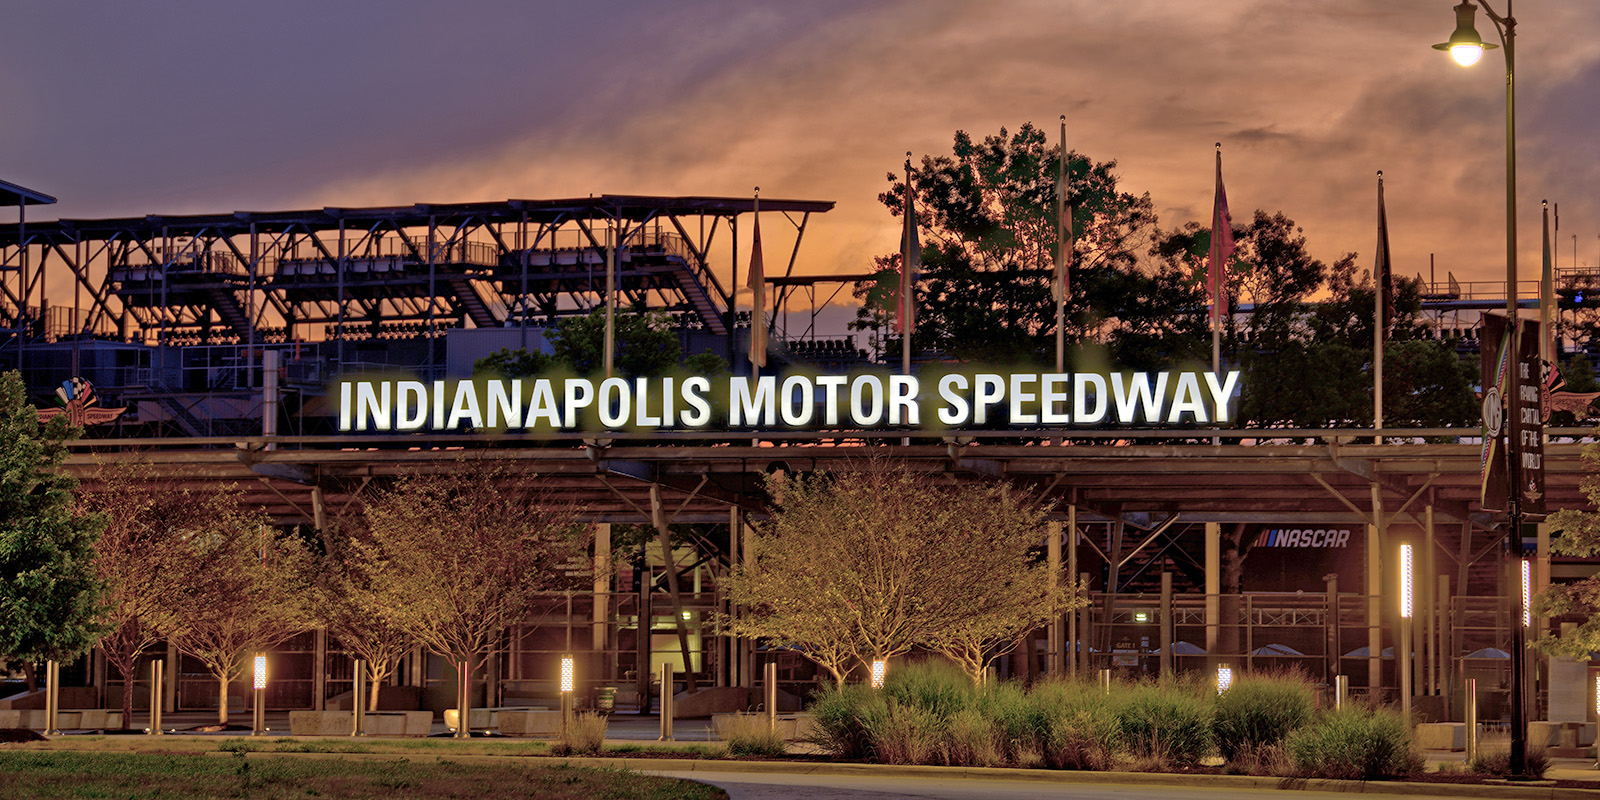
(1221, 250)
(1384, 268)
(758, 297)
(910, 263)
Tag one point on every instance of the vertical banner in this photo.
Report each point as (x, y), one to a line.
(1513, 388)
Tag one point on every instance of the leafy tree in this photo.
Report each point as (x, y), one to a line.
(453, 559)
(986, 216)
(139, 558)
(865, 563)
(242, 587)
(1576, 532)
(49, 593)
(351, 606)
(646, 345)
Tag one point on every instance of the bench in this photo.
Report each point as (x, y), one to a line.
(374, 723)
(792, 727)
(1442, 736)
(488, 718)
(1560, 734)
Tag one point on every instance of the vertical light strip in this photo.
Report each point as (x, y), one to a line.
(1527, 593)
(261, 672)
(568, 674)
(1407, 606)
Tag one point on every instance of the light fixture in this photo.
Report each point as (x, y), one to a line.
(568, 675)
(258, 721)
(1141, 616)
(880, 668)
(1527, 593)
(1224, 679)
(1407, 606)
(261, 672)
(1465, 45)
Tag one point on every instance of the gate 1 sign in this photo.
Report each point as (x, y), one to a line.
(796, 401)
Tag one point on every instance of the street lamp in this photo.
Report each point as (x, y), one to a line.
(1466, 47)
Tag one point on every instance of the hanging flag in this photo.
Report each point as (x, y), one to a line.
(1221, 251)
(1547, 294)
(1383, 269)
(758, 296)
(910, 263)
(1060, 287)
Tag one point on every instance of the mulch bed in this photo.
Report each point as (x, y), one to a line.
(19, 735)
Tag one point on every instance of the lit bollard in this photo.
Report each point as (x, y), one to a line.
(1470, 706)
(1224, 678)
(666, 702)
(52, 698)
(770, 672)
(880, 670)
(1403, 652)
(258, 724)
(1105, 681)
(1597, 715)
(157, 667)
(358, 700)
(1341, 691)
(569, 680)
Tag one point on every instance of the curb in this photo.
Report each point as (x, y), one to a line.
(1067, 777)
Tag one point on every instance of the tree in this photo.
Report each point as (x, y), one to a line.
(1576, 532)
(646, 345)
(865, 563)
(987, 223)
(242, 587)
(138, 557)
(453, 559)
(49, 594)
(351, 607)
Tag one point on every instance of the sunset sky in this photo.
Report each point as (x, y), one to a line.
(189, 107)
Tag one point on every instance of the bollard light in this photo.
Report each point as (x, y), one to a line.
(259, 715)
(568, 674)
(880, 668)
(1407, 606)
(1597, 696)
(1527, 593)
(1224, 679)
(261, 672)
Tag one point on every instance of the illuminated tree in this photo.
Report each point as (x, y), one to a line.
(241, 587)
(48, 589)
(866, 563)
(351, 607)
(454, 559)
(139, 557)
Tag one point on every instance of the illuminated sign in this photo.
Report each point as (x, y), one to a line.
(859, 401)
(1302, 537)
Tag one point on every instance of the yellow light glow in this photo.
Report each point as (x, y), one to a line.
(1224, 679)
(1597, 695)
(685, 615)
(1466, 54)
(261, 672)
(1407, 606)
(568, 674)
(879, 669)
(1527, 593)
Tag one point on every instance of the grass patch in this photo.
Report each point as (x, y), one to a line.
(1258, 711)
(750, 735)
(47, 775)
(1165, 725)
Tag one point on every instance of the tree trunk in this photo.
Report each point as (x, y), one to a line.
(127, 697)
(30, 676)
(375, 678)
(1233, 551)
(222, 700)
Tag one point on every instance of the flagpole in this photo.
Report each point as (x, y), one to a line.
(906, 283)
(1547, 289)
(611, 300)
(1379, 266)
(1063, 245)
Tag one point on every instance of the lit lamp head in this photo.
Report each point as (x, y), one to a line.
(568, 675)
(261, 672)
(1406, 602)
(1224, 679)
(880, 668)
(1465, 45)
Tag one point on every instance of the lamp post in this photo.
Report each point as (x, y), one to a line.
(569, 673)
(1466, 47)
(258, 723)
(1407, 610)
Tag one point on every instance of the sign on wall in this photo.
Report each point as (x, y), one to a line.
(865, 400)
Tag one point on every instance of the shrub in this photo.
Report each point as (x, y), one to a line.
(750, 735)
(904, 734)
(584, 737)
(1497, 761)
(1010, 713)
(1354, 744)
(841, 715)
(1168, 724)
(1259, 711)
(972, 739)
(1074, 725)
(937, 687)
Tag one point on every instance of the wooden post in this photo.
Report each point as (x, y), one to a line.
(599, 638)
(1213, 589)
(1375, 538)
(1074, 634)
(1052, 548)
(1166, 626)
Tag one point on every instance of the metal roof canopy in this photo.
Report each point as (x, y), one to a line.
(13, 195)
(633, 208)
